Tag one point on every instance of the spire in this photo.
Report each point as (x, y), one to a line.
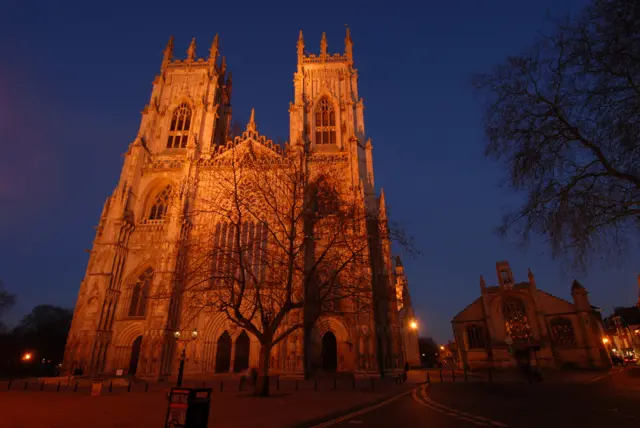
(323, 45)
(483, 284)
(300, 46)
(532, 279)
(223, 65)
(577, 287)
(191, 52)
(213, 52)
(638, 291)
(251, 126)
(348, 47)
(168, 53)
(383, 205)
(399, 262)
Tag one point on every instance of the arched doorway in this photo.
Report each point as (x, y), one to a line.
(329, 352)
(223, 354)
(135, 356)
(241, 360)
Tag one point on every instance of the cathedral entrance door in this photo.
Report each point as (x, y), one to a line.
(135, 356)
(223, 354)
(329, 352)
(241, 361)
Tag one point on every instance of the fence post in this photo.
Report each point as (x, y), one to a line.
(58, 387)
(75, 387)
(441, 380)
(278, 383)
(465, 374)
(490, 375)
(9, 385)
(373, 383)
(428, 377)
(221, 385)
(26, 385)
(453, 375)
(353, 381)
(335, 385)
(146, 386)
(42, 386)
(315, 384)
(111, 386)
(240, 383)
(129, 386)
(296, 384)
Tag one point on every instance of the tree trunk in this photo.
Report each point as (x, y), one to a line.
(261, 388)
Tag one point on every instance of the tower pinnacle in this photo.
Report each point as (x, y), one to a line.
(300, 46)
(323, 45)
(213, 52)
(191, 52)
(348, 46)
(251, 126)
(168, 53)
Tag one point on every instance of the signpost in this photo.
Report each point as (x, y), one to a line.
(188, 408)
(96, 387)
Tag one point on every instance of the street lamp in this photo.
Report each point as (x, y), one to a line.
(183, 354)
(27, 356)
(441, 348)
(605, 340)
(413, 325)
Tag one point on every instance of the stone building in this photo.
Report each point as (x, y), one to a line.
(514, 323)
(184, 129)
(407, 317)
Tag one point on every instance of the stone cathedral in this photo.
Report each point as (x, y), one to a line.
(187, 123)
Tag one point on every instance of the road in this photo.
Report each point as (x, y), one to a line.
(444, 405)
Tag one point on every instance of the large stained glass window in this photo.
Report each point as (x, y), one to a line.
(516, 320)
(562, 332)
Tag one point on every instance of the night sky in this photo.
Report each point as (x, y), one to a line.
(74, 76)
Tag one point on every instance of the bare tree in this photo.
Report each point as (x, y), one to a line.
(565, 119)
(7, 300)
(274, 244)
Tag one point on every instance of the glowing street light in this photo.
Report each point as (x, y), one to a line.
(441, 348)
(605, 340)
(413, 325)
(177, 334)
(27, 356)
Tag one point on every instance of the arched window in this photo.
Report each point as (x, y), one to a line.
(516, 320)
(139, 294)
(159, 208)
(562, 332)
(475, 336)
(325, 122)
(179, 129)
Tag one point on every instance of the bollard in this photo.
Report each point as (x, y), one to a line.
(240, 383)
(75, 387)
(296, 384)
(221, 385)
(58, 387)
(146, 386)
(9, 385)
(203, 384)
(373, 383)
(490, 376)
(111, 386)
(42, 386)
(428, 378)
(335, 385)
(353, 381)
(129, 386)
(465, 374)
(277, 383)
(26, 385)
(453, 375)
(315, 384)
(441, 380)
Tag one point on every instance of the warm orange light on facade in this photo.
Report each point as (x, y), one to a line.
(27, 356)
(413, 325)
(605, 340)
(442, 348)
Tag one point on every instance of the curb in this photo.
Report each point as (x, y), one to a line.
(341, 413)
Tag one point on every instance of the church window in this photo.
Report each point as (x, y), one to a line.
(158, 210)
(179, 129)
(140, 293)
(505, 276)
(325, 122)
(562, 332)
(475, 336)
(516, 320)
(327, 199)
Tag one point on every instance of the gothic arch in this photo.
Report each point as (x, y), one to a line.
(150, 191)
(334, 105)
(129, 333)
(335, 325)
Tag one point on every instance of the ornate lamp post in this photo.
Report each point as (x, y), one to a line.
(183, 354)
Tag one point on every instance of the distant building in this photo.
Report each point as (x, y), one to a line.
(623, 330)
(407, 317)
(516, 323)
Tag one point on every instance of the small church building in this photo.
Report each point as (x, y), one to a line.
(515, 323)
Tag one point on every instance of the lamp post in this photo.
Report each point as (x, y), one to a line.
(413, 325)
(183, 354)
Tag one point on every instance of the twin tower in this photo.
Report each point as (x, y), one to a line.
(117, 329)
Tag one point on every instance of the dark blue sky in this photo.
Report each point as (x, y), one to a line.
(74, 76)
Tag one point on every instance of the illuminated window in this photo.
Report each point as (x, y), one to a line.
(325, 122)
(562, 332)
(516, 320)
(139, 294)
(160, 205)
(475, 335)
(179, 129)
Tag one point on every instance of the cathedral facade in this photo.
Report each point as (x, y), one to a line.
(139, 250)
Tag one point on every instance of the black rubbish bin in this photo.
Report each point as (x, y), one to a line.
(188, 408)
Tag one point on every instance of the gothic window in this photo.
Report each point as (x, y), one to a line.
(253, 249)
(475, 336)
(327, 199)
(161, 203)
(325, 122)
(139, 294)
(505, 277)
(562, 332)
(516, 320)
(179, 129)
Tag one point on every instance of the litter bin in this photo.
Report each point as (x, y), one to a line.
(188, 408)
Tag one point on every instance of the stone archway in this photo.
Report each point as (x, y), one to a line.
(329, 352)
(223, 354)
(241, 358)
(135, 356)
